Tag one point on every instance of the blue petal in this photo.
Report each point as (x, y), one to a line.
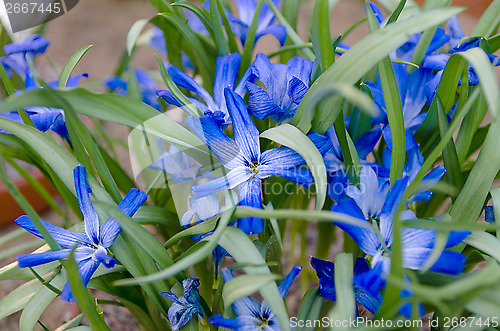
(34, 44)
(183, 80)
(101, 255)
(248, 322)
(366, 239)
(450, 262)
(301, 176)
(296, 90)
(380, 116)
(279, 31)
(225, 149)
(281, 158)
(35, 259)
(86, 269)
(90, 218)
(242, 306)
(337, 183)
(226, 70)
(431, 87)
(245, 131)
(249, 194)
(63, 237)
(456, 237)
(371, 302)
(44, 121)
(367, 142)
(273, 76)
(415, 98)
(260, 103)
(377, 12)
(233, 178)
(435, 61)
(439, 39)
(288, 280)
(246, 10)
(455, 31)
(390, 207)
(489, 214)
(325, 270)
(409, 138)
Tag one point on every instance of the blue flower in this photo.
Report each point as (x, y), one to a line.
(334, 161)
(91, 246)
(250, 315)
(204, 209)
(286, 85)
(413, 165)
(366, 283)
(226, 71)
(185, 307)
(44, 118)
(489, 214)
(407, 308)
(377, 204)
(412, 89)
(246, 163)
(17, 54)
(182, 167)
(241, 25)
(147, 87)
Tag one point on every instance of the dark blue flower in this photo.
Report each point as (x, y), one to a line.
(44, 118)
(246, 163)
(226, 71)
(366, 283)
(185, 307)
(250, 315)
(377, 204)
(17, 54)
(286, 85)
(412, 90)
(414, 163)
(334, 161)
(241, 25)
(489, 214)
(91, 246)
(147, 87)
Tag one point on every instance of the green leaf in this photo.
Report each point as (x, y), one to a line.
(290, 31)
(134, 33)
(219, 36)
(397, 12)
(199, 13)
(83, 298)
(239, 246)
(489, 21)
(351, 94)
(70, 66)
(394, 109)
(203, 227)
(485, 242)
(356, 62)
(450, 157)
(320, 33)
(118, 109)
(71, 324)
(18, 298)
(487, 78)
(187, 261)
(248, 48)
(310, 308)
(345, 306)
(199, 60)
(38, 304)
(183, 100)
(245, 285)
(292, 137)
